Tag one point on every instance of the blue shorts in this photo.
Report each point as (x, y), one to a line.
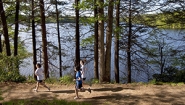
(78, 86)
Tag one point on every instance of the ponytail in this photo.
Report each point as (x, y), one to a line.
(83, 61)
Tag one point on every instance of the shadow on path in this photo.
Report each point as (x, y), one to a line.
(63, 91)
(116, 89)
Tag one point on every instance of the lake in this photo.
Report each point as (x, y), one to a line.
(174, 38)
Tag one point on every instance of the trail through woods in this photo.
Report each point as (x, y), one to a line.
(102, 94)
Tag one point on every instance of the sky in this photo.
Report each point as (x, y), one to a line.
(155, 4)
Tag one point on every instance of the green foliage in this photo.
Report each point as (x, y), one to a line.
(167, 76)
(96, 81)
(30, 79)
(88, 40)
(179, 61)
(1, 98)
(87, 21)
(52, 80)
(180, 76)
(86, 4)
(9, 69)
(9, 65)
(43, 102)
(155, 82)
(167, 19)
(170, 74)
(11, 76)
(173, 19)
(180, 84)
(67, 79)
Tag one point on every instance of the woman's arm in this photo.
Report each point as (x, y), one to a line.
(78, 79)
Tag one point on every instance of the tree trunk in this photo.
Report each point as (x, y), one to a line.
(162, 60)
(59, 44)
(16, 28)
(116, 54)
(77, 37)
(96, 74)
(101, 41)
(34, 41)
(44, 39)
(16, 34)
(129, 45)
(108, 41)
(1, 44)
(5, 29)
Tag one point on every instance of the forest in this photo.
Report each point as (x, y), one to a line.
(120, 39)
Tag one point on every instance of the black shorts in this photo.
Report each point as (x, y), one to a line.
(78, 86)
(39, 81)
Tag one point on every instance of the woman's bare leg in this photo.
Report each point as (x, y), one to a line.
(76, 92)
(37, 87)
(45, 86)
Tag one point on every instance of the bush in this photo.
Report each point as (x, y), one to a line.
(67, 79)
(170, 74)
(30, 79)
(11, 76)
(52, 80)
(96, 81)
(180, 76)
(9, 68)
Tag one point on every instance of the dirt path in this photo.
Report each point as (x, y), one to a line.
(105, 94)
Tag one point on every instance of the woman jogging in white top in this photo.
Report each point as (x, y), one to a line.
(40, 76)
(83, 72)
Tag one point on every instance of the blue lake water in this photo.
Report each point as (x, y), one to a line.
(174, 38)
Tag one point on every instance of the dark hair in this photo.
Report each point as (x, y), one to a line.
(83, 61)
(77, 68)
(38, 64)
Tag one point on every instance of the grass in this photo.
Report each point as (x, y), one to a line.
(1, 98)
(43, 102)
